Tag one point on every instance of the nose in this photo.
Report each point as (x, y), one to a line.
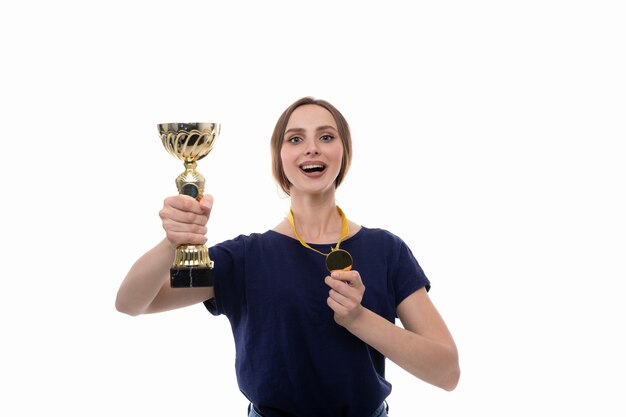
(312, 148)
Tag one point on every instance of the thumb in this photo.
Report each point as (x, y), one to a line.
(206, 202)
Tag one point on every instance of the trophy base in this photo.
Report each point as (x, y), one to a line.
(191, 277)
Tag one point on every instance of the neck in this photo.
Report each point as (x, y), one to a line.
(317, 220)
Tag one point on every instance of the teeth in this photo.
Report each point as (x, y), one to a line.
(305, 167)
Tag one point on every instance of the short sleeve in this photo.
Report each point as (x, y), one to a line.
(228, 258)
(408, 275)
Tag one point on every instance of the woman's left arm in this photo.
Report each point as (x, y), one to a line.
(424, 347)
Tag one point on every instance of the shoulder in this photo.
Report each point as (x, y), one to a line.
(251, 239)
(246, 243)
(383, 242)
(381, 235)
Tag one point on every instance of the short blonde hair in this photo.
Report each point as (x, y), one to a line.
(279, 133)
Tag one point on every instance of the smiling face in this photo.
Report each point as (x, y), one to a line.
(311, 147)
(312, 150)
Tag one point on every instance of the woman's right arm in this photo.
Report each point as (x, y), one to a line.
(146, 288)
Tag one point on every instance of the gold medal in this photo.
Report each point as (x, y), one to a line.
(337, 259)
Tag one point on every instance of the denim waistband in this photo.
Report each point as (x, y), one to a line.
(381, 411)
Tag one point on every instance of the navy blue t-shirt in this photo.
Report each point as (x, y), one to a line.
(292, 358)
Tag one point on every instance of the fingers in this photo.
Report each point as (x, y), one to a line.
(346, 288)
(184, 219)
(345, 295)
(352, 278)
(185, 203)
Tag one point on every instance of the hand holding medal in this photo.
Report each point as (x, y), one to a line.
(337, 259)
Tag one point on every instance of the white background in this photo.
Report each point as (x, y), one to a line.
(487, 134)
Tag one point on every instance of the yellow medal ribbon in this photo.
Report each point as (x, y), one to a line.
(336, 259)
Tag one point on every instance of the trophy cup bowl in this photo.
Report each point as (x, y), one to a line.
(190, 142)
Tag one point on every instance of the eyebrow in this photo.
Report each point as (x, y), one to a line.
(300, 130)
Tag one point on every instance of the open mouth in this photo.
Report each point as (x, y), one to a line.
(312, 168)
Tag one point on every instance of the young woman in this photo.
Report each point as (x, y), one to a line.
(309, 343)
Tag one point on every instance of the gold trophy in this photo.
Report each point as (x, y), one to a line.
(190, 142)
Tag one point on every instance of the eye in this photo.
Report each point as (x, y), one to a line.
(327, 138)
(294, 139)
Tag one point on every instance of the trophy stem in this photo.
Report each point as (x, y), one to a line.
(191, 182)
